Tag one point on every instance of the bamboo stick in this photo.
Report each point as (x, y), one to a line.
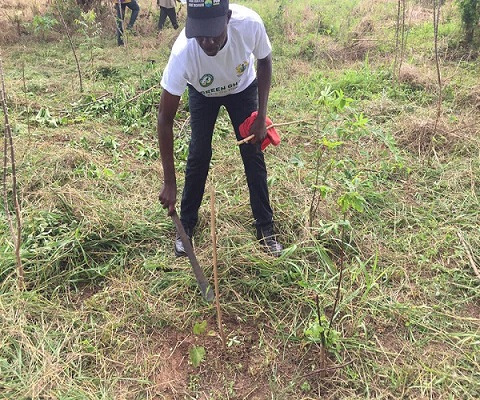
(215, 269)
(248, 138)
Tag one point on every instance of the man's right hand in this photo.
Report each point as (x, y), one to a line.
(168, 197)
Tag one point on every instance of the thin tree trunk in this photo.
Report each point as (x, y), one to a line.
(436, 19)
(8, 145)
(26, 98)
(403, 41)
(397, 39)
(323, 344)
(340, 276)
(72, 47)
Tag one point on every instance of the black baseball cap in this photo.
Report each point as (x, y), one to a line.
(206, 17)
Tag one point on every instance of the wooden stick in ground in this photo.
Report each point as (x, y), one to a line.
(142, 93)
(436, 18)
(469, 254)
(8, 144)
(215, 269)
(26, 99)
(248, 138)
(72, 46)
(323, 352)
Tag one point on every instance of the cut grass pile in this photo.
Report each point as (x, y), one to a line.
(110, 313)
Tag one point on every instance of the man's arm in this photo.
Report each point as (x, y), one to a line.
(264, 78)
(166, 115)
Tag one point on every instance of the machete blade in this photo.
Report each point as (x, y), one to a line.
(202, 281)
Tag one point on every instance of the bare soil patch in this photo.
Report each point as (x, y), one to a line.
(243, 369)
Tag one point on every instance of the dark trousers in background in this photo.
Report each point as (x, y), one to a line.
(203, 115)
(171, 13)
(133, 5)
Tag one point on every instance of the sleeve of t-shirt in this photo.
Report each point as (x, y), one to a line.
(174, 78)
(263, 47)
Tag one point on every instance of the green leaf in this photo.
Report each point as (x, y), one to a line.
(199, 328)
(108, 173)
(297, 161)
(314, 331)
(331, 144)
(323, 190)
(197, 354)
(360, 120)
(353, 200)
(287, 252)
(305, 386)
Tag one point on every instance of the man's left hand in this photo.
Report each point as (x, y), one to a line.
(259, 129)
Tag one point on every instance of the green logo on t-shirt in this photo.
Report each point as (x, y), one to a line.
(206, 80)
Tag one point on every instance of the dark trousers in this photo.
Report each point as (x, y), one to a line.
(133, 5)
(203, 115)
(171, 13)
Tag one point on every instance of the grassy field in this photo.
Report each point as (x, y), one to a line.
(370, 183)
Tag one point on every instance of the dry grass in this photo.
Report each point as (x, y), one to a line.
(424, 136)
(416, 78)
(473, 98)
(13, 15)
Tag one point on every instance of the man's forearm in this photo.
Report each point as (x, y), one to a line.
(166, 114)
(264, 78)
(165, 142)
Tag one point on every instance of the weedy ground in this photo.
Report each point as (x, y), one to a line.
(369, 181)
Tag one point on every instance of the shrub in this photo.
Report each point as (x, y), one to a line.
(470, 11)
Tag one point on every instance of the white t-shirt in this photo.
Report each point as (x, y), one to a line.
(231, 70)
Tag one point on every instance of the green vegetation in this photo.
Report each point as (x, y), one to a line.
(470, 10)
(368, 184)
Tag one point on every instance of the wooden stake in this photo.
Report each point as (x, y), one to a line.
(26, 99)
(436, 18)
(72, 46)
(215, 269)
(248, 138)
(8, 145)
(142, 93)
(323, 351)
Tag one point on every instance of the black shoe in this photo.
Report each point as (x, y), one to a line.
(268, 239)
(179, 248)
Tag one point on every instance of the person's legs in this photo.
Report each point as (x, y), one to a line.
(239, 107)
(172, 15)
(203, 114)
(120, 9)
(133, 5)
(162, 18)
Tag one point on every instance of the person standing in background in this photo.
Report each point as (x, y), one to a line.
(167, 9)
(120, 7)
